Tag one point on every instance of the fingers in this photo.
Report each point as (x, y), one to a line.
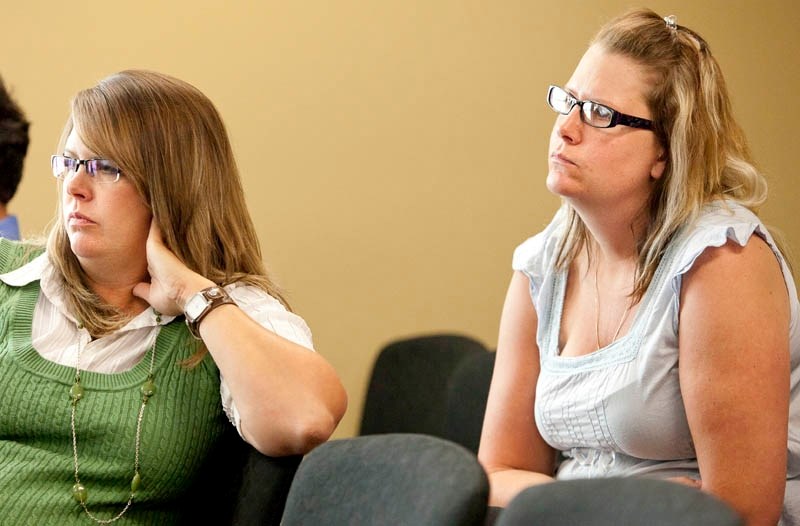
(155, 231)
(687, 481)
(142, 290)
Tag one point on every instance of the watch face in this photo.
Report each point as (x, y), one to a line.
(195, 306)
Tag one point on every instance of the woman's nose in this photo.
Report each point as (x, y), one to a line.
(570, 126)
(78, 183)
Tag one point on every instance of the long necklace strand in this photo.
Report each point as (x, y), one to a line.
(597, 308)
(76, 392)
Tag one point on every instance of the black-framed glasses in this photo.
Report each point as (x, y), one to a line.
(593, 113)
(101, 170)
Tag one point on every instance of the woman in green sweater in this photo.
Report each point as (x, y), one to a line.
(110, 401)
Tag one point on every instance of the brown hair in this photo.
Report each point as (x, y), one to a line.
(170, 142)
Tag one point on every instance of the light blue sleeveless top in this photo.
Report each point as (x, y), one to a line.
(618, 411)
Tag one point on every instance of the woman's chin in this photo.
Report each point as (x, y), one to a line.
(560, 185)
(82, 247)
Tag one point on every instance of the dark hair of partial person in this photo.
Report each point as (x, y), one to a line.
(13, 144)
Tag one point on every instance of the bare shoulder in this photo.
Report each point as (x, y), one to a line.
(734, 302)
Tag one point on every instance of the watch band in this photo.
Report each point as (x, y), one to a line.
(213, 297)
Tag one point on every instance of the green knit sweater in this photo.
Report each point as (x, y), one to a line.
(182, 422)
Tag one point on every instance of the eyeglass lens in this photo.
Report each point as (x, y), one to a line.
(592, 113)
(102, 170)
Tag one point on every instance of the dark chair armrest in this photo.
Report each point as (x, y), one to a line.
(238, 485)
(265, 485)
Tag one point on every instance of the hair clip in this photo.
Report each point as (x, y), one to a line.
(672, 22)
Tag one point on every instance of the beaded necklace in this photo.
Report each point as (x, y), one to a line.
(76, 393)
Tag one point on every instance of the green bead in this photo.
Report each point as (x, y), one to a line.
(79, 493)
(148, 389)
(76, 391)
(136, 482)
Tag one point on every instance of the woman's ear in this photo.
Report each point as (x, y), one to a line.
(657, 170)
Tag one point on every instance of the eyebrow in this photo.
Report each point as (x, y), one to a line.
(572, 93)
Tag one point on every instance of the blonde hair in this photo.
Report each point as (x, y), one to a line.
(170, 143)
(707, 156)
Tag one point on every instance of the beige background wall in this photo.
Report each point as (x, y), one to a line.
(393, 152)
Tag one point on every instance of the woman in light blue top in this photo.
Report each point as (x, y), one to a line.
(653, 328)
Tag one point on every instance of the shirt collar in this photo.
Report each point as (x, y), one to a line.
(27, 273)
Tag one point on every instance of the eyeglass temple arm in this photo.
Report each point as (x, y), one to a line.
(633, 122)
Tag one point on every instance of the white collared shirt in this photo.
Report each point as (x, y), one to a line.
(56, 336)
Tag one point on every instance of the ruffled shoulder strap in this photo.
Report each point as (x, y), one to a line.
(718, 223)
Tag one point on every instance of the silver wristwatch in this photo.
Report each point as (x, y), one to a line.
(200, 304)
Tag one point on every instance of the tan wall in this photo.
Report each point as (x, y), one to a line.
(393, 152)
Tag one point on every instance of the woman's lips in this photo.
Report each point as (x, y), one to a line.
(77, 219)
(561, 159)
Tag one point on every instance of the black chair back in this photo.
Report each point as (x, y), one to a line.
(397, 479)
(614, 502)
(409, 384)
(466, 399)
